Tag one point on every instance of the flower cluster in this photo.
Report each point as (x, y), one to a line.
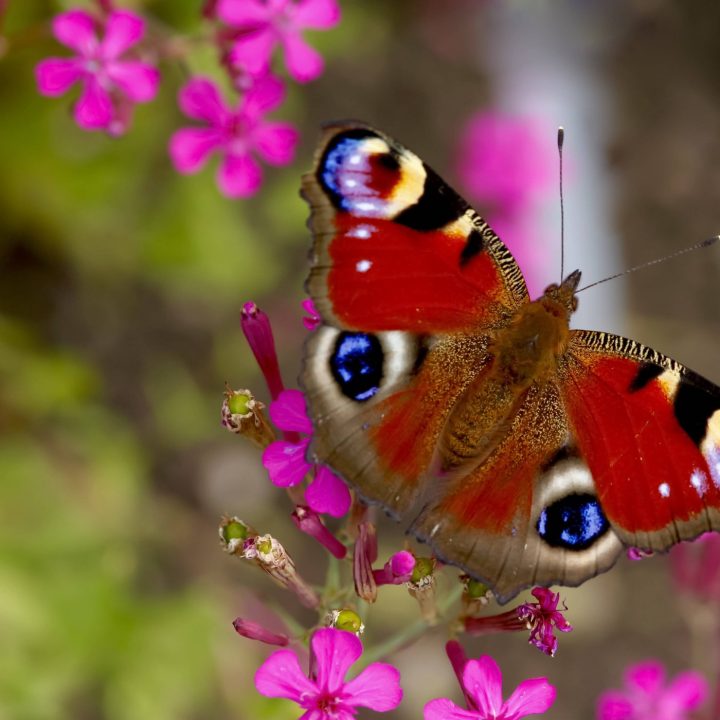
(115, 64)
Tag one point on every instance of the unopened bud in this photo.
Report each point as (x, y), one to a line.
(258, 332)
(309, 522)
(346, 619)
(233, 534)
(255, 631)
(243, 414)
(475, 595)
(363, 557)
(272, 557)
(422, 588)
(397, 570)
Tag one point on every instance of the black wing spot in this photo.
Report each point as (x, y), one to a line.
(357, 365)
(574, 522)
(435, 208)
(647, 372)
(474, 246)
(693, 407)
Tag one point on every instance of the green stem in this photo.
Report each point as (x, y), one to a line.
(411, 632)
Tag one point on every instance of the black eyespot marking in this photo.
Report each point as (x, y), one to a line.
(389, 161)
(694, 405)
(357, 365)
(435, 208)
(473, 247)
(574, 522)
(646, 374)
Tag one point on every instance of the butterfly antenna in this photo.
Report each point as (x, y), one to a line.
(560, 141)
(692, 248)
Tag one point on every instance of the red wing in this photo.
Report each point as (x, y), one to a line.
(395, 248)
(649, 430)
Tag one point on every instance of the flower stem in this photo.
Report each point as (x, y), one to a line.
(410, 632)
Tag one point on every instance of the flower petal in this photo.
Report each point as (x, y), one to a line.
(482, 680)
(303, 62)
(647, 677)
(443, 709)
(613, 705)
(280, 676)
(316, 14)
(243, 13)
(55, 75)
(239, 176)
(190, 147)
(200, 99)
(265, 94)
(289, 412)
(276, 142)
(285, 462)
(94, 109)
(138, 80)
(123, 30)
(252, 52)
(687, 690)
(76, 29)
(531, 696)
(327, 493)
(334, 651)
(377, 687)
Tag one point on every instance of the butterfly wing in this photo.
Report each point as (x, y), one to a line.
(408, 280)
(649, 429)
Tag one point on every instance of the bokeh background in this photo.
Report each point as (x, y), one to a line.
(120, 287)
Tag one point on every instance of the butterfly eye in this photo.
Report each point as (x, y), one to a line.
(573, 522)
(357, 365)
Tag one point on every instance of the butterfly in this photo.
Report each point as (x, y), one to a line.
(522, 451)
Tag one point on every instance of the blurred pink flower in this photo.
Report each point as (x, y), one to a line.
(397, 570)
(647, 697)
(237, 134)
(696, 567)
(110, 86)
(505, 165)
(325, 694)
(481, 682)
(263, 24)
(542, 618)
(285, 460)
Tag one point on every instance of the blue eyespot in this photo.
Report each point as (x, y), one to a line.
(337, 164)
(574, 522)
(357, 365)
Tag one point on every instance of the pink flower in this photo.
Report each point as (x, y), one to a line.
(325, 694)
(542, 618)
(312, 319)
(481, 682)
(506, 164)
(236, 134)
(696, 567)
(397, 570)
(647, 697)
(110, 85)
(285, 460)
(263, 24)
(258, 332)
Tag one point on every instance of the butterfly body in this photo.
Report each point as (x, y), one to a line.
(521, 450)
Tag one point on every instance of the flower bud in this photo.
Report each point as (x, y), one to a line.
(397, 570)
(233, 534)
(258, 333)
(309, 522)
(346, 619)
(475, 595)
(255, 631)
(363, 557)
(422, 587)
(242, 414)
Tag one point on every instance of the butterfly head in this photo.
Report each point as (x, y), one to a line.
(564, 294)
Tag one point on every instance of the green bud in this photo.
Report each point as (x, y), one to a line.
(424, 566)
(235, 530)
(475, 589)
(264, 546)
(238, 403)
(348, 620)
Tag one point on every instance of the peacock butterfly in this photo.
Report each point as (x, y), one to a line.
(522, 451)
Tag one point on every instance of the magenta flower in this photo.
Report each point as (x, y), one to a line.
(506, 164)
(312, 319)
(325, 694)
(264, 24)
(285, 460)
(397, 570)
(481, 682)
(647, 697)
(110, 85)
(542, 618)
(236, 134)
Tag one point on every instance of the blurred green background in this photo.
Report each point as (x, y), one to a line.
(120, 286)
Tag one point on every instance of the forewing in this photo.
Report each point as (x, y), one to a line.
(650, 430)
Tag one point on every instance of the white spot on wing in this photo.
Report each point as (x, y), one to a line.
(664, 490)
(698, 479)
(363, 265)
(361, 232)
(350, 183)
(355, 159)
